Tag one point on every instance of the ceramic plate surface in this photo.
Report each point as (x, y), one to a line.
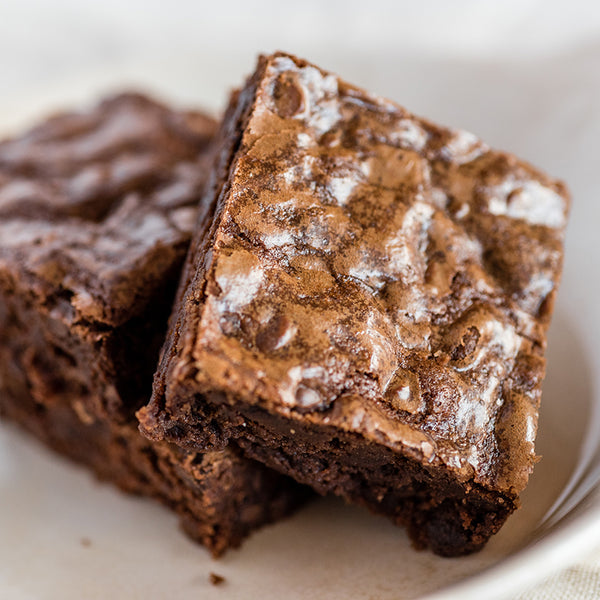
(65, 536)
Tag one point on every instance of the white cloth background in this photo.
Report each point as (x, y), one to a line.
(524, 75)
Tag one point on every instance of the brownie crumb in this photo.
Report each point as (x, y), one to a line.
(216, 579)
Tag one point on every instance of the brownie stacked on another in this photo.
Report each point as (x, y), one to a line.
(96, 213)
(368, 309)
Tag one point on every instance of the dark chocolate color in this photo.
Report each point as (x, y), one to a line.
(368, 310)
(96, 213)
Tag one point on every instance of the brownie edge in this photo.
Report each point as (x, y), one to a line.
(97, 209)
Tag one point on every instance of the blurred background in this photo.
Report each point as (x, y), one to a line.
(522, 74)
(482, 65)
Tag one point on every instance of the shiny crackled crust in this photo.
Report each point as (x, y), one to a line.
(96, 213)
(373, 273)
(96, 206)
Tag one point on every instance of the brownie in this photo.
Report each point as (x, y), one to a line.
(367, 311)
(96, 213)
(220, 496)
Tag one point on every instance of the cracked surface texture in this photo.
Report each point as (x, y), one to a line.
(96, 204)
(96, 212)
(373, 273)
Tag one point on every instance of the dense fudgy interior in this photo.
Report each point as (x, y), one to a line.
(105, 371)
(449, 516)
(219, 496)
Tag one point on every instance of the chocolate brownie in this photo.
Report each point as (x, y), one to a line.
(96, 213)
(219, 496)
(368, 311)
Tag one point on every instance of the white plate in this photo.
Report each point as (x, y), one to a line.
(64, 536)
(51, 510)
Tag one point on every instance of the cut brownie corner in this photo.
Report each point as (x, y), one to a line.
(368, 309)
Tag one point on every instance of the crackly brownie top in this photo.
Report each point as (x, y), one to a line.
(380, 274)
(95, 206)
